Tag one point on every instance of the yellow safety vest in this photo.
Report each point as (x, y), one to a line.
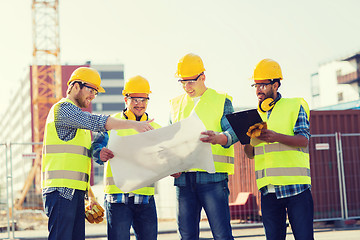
(276, 163)
(65, 164)
(210, 109)
(110, 187)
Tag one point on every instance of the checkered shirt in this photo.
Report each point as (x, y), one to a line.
(69, 118)
(302, 127)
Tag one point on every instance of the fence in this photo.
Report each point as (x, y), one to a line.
(6, 201)
(18, 159)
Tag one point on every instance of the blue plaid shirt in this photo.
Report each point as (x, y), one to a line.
(302, 127)
(204, 177)
(100, 141)
(69, 118)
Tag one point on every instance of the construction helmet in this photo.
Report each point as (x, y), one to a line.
(137, 84)
(87, 75)
(267, 69)
(189, 65)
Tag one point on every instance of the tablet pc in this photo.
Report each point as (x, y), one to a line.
(241, 121)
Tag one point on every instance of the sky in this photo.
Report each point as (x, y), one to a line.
(149, 38)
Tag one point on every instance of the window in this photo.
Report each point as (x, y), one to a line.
(340, 97)
(112, 91)
(108, 75)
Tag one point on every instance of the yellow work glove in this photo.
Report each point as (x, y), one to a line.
(94, 215)
(255, 130)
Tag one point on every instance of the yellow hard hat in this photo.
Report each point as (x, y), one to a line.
(87, 75)
(267, 69)
(137, 84)
(189, 65)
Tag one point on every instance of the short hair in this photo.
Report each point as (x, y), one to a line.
(276, 80)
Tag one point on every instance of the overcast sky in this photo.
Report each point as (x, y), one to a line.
(149, 37)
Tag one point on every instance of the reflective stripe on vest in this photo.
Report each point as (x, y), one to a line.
(223, 159)
(275, 172)
(64, 174)
(65, 148)
(278, 147)
(110, 181)
(210, 109)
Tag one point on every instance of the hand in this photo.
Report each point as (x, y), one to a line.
(143, 126)
(94, 213)
(268, 136)
(106, 154)
(92, 202)
(176, 175)
(213, 137)
(91, 199)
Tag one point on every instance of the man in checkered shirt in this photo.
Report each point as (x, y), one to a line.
(282, 166)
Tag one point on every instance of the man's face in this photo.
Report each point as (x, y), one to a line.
(264, 89)
(137, 103)
(85, 95)
(194, 86)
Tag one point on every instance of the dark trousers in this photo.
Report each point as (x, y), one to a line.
(142, 217)
(66, 218)
(214, 198)
(300, 210)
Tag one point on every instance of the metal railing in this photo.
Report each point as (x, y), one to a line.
(8, 176)
(332, 181)
(14, 156)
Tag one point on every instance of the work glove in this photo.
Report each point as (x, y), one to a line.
(94, 215)
(254, 131)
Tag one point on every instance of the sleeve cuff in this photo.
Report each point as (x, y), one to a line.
(229, 139)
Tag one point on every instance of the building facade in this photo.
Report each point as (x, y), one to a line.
(15, 131)
(336, 83)
(112, 80)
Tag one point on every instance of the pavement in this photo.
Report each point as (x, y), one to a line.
(168, 230)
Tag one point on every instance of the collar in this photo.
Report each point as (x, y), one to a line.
(277, 99)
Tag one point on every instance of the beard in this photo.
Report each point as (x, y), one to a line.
(267, 95)
(80, 100)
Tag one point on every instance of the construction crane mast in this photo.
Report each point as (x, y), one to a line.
(46, 78)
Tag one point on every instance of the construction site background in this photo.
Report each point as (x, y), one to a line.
(334, 169)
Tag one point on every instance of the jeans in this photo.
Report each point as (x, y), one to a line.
(214, 198)
(300, 210)
(66, 218)
(142, 217)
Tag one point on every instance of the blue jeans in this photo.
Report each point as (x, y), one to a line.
(300, 210)
(66, 218)
(142, 217)
(214, 198)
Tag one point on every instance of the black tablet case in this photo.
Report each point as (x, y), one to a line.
(241, 121)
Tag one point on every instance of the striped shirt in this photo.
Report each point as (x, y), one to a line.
(69, 118)
(302, 127)
(204, 177)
